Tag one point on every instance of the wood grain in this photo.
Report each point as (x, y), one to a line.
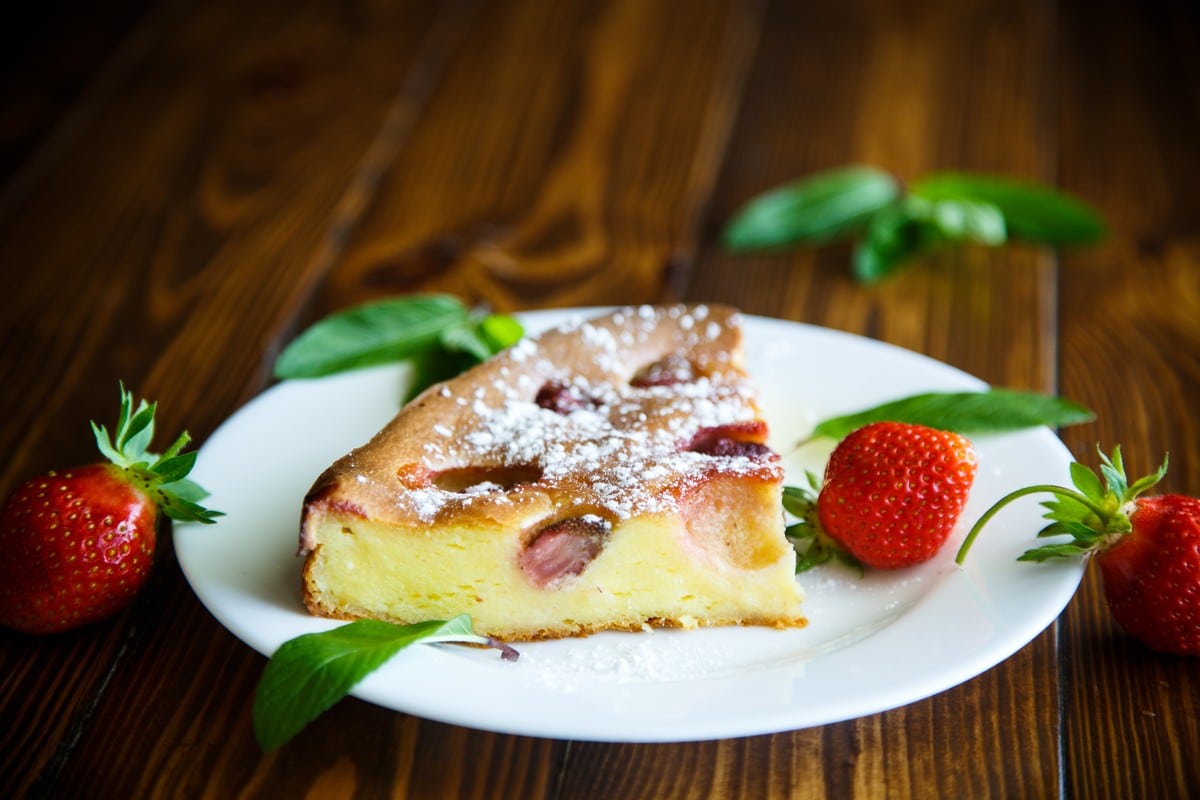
(205, 178)
(596, 202)
(1131, 351)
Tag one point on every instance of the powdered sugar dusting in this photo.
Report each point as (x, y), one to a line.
(617, 447)
(655, 656)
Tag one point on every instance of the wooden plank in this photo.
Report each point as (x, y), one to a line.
(1130, 99)
(49, 53)
(595, 133)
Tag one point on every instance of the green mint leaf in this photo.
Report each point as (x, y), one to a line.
(380, 332)
(914, 225)
(436, 364)
(500, 331)
(895, 235)
(961, 220)
(461, 347)
(310, 673)
(1032, 212)
(967, 413)
(821, 207)
(466, 339)
(484, 337)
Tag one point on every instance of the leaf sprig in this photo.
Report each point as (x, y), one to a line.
(309, 673)
(966, 413)
(894, 224)
(436, 334)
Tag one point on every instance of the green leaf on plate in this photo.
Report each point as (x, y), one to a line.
(310, 673)
(816, 209)
(435, 364)
(967, 413)
(500, 331)
(461, 347)
(375, 333)
(1031, 212)
(435, 334)
(466, 339)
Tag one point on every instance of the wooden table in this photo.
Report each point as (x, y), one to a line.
(186, 185)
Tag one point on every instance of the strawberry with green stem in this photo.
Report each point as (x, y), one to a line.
(1147, 548)
(77, 545)
(891, 495)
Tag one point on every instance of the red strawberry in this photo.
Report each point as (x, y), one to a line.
(76, 546)
(892, 494)
(1148, 548)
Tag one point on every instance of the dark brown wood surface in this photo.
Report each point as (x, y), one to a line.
(185, 185)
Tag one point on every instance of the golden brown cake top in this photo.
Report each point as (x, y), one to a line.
(614, 416)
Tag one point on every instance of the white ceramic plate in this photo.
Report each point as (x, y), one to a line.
(872, 644)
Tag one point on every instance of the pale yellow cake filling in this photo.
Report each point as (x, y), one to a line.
(660, 570)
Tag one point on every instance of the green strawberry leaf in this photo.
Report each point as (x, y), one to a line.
(137, 435)
(1065, 509)
(310, 673)
(1147, 481)
(163, 476)
(374, 333)
(105, 446)
(1049, 551)
(799, 501)
(176, 447)
(821, 207)
(1086, 481)
(813, 546)
(966, 413)
(186, 489)
(174, 468)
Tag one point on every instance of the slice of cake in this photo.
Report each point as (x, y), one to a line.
(612, 474)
